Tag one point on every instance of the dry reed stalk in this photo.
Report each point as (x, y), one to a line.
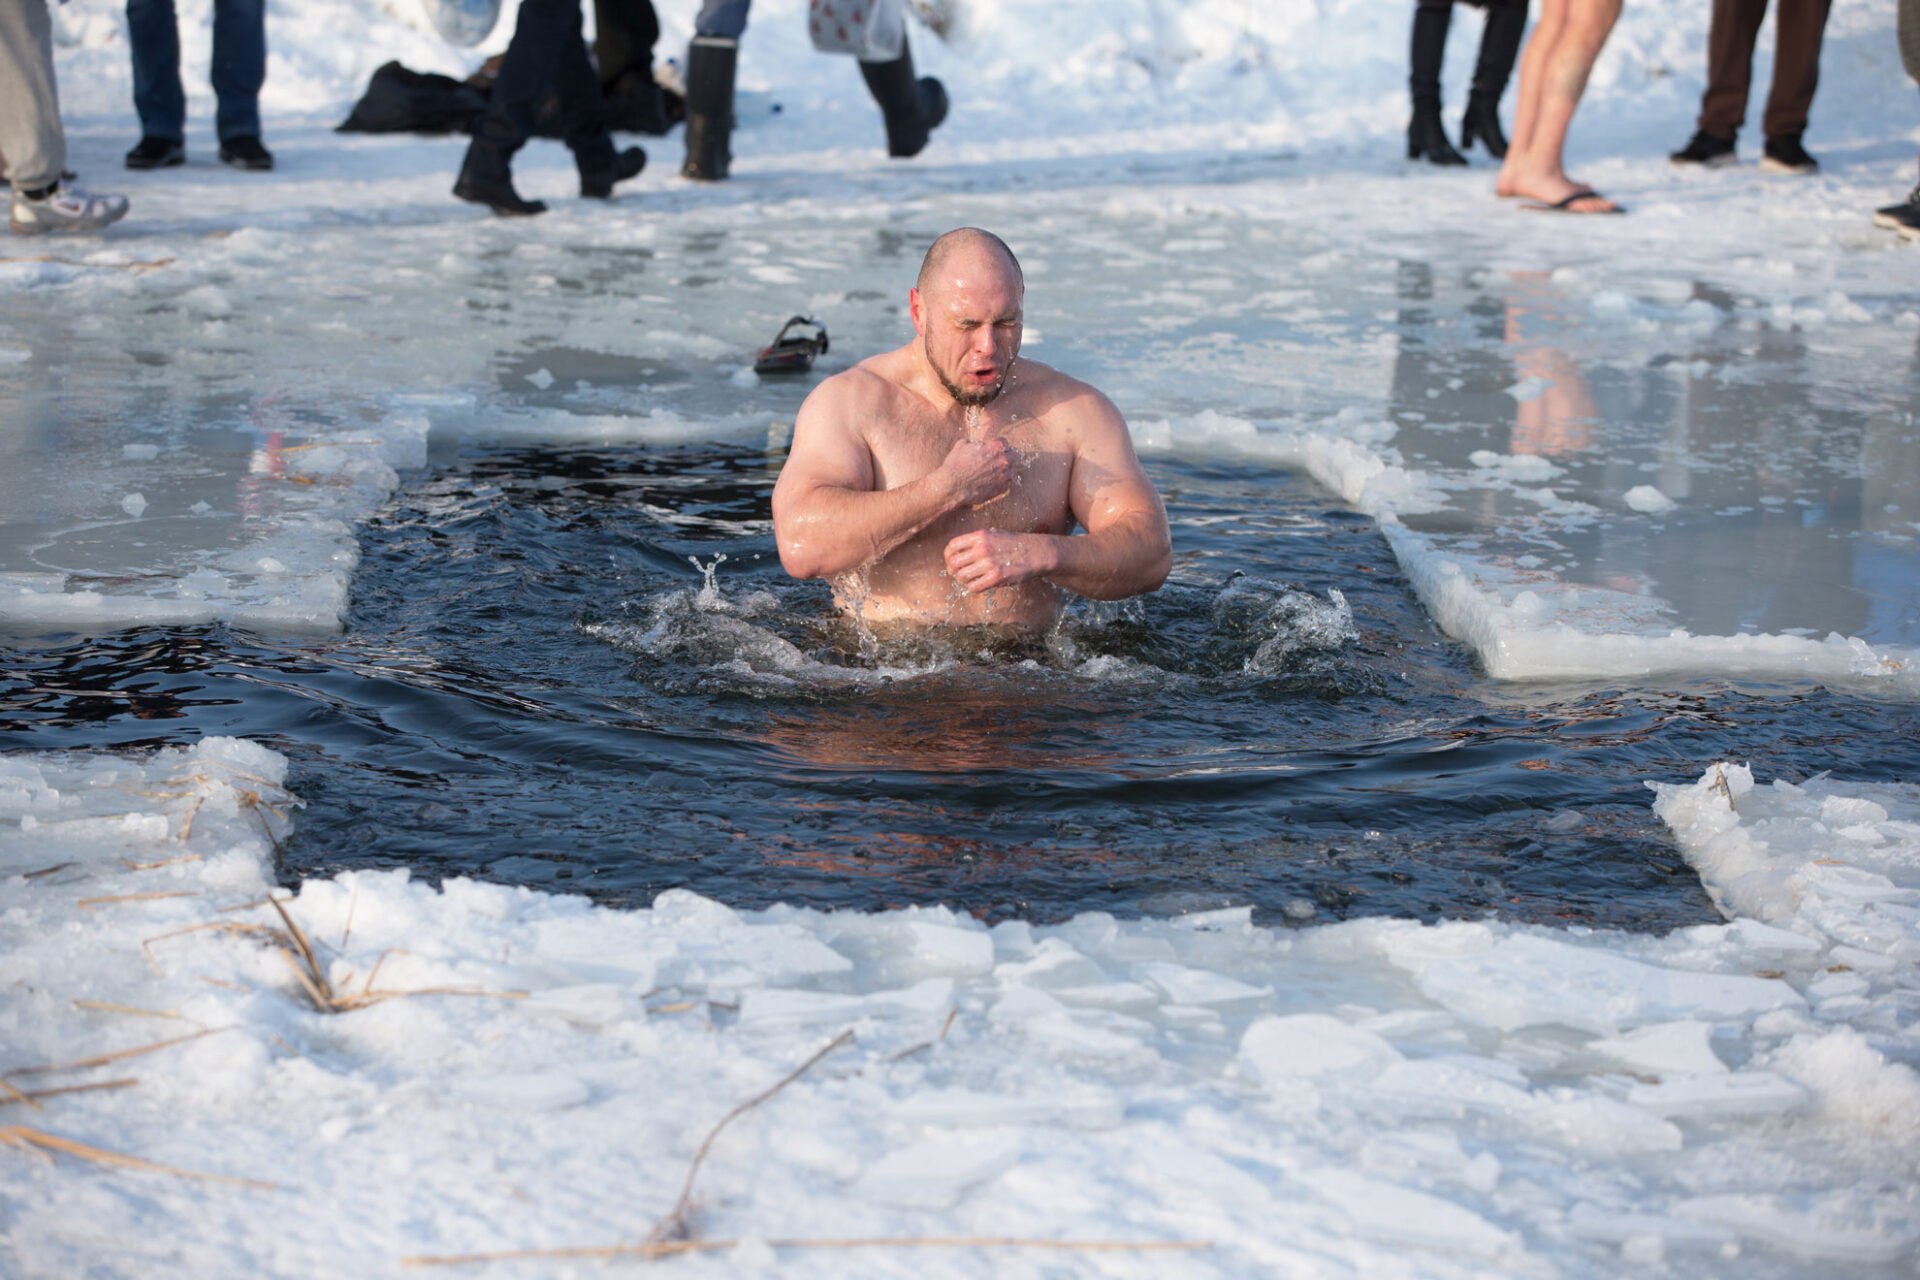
(32, 1096)
(186, 823)
(313, 977)
(953, 1011)
(20, 1135)
(135, 266)
(47, 871)
(346, 1004)
(90, 903)
(103, 1059)
(670, 1248)
(17, 1095)
(675, 1226)
(222, 982)
(131, 865)
(101, 1006)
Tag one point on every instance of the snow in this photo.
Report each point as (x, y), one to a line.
(1218, 230)
(512, 1069)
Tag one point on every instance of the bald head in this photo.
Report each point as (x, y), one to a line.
(960, 249)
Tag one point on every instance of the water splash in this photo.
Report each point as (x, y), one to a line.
(709, 596)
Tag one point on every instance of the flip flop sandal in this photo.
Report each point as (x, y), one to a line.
(1565, 205)
(793, 354)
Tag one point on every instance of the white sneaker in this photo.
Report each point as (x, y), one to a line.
(65, 208)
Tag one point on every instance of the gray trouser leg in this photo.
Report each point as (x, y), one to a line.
(30, 135)
(1909, 29)
(727, 18)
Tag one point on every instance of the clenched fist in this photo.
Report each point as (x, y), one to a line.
(979, 471)
(988, 558)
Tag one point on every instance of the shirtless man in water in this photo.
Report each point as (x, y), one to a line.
(942, 482)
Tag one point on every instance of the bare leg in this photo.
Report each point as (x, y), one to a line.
(1553, 75)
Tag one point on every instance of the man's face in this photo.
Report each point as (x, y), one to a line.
(969, 323)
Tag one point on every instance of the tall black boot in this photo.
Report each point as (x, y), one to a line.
(1499, 46)
(1426, 135)
(912, 108)
(710, 63)
(486, 176)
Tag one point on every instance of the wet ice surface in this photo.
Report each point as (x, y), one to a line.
(1727, 450)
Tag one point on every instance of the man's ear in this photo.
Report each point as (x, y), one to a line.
(916, 309)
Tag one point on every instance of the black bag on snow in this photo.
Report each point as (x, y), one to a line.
(399, 100)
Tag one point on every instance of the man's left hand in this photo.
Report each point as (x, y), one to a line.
(988, 558)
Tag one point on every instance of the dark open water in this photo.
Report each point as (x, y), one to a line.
(585, 671)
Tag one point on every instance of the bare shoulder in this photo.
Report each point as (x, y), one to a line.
(1067, 404)
(852, 397)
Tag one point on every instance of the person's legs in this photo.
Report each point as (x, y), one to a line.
(239, 66)
(625, 33)
(1553, 75)
(30, 134)
(1426, 134)
(1730, 41)
(1499, 46)
(1533, 60)
(1799, 26)
(526, 72)
(158, 97)
(584, 121)
(711, 59)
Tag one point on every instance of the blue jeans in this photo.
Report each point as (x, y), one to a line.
(727, 18)
(239, 67)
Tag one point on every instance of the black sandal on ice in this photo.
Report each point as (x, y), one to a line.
(793, 354)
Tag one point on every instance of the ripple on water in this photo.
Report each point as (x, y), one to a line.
(584, 670)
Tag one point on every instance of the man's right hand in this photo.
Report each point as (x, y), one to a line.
(979, 471)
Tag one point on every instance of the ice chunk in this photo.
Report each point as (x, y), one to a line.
(934, 1175)
(530, 1091)
(1079, 1109)
(1529, 980)
(1312, 1045)
(949, 949)
(1663, 1048)
(1383, 1211)
(1710, 1097)
(1648, 499)
(1834, 1228)
(1183, 985)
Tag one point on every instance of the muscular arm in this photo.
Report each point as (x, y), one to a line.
(828, 516)
(1126, 549)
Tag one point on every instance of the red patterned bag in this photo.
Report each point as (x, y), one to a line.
(870, 30)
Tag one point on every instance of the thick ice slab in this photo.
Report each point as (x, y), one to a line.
(507, 1069)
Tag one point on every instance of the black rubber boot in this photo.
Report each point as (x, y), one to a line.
(597, 183)
(710, 63)
(1499, 46)
(912, 108)
(487, 178)
(1426, 135)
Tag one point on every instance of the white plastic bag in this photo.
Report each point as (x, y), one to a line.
(870, 30)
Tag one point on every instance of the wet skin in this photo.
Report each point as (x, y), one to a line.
(941, 482)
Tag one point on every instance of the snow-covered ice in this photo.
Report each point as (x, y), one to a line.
(1644, 449)
(512, 1069)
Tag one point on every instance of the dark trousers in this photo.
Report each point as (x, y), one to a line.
(1798, 27)
(547, 56)
(239, 67)
(625, 32)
